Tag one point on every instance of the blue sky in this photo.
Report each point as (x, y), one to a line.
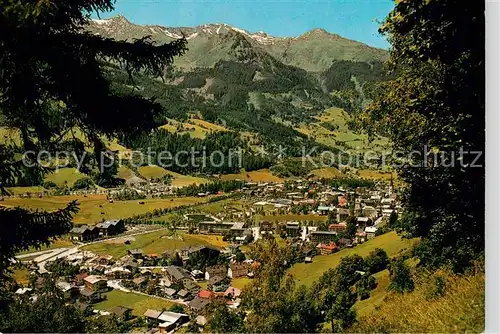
(354, 19)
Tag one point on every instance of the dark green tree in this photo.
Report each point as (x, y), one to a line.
(351, 227)
(220, 319)
(240, 256)
(176, 260)
(55, 86)
(401, 278)
(393, 219)
(341, 315)
(377, 260)
(47, 314)
(435, 106)
(366, 284)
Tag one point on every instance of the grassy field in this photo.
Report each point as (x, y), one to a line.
(156, 242)
(377, 296)
(261, 175)
(151, 172)
(212, 208)
(460, 309)
(376, 175)
(219, 206)
(208, 125)
(367, 306)
(17, 191)
(240, 283)
(341, 135)
(94, 208)
(327, 172)
(310, 272)
(138, 303)
(180, 180)
(125, 172)
(64, 176)
(21, 276)
(196, 128)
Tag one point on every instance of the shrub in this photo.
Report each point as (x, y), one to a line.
(49, 185)
(83, 183)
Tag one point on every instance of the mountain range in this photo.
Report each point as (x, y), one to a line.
(233, 88)
(208, 43)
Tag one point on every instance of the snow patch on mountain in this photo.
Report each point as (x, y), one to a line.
(101, 22)
(192, 35)
(172, 35)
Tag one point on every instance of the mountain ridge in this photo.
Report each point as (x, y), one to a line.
(313, 51)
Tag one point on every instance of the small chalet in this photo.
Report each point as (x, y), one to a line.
(111, 227)
(152, 316)
(344, 242)
(79, 278)
(176, 274)
(136, 253)
(121, 312)
(292, 229)
(171, 320)
(237, 270)
(215, 280)
(84, 233)
(69, 290)
(322, 236)
(96, 283)
(198, 303)
(90, 296)
(370, 232)
(217, 270)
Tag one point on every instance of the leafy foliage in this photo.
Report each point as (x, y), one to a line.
(436, 103)
(401, 278)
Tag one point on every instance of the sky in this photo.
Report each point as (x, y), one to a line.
(353, 19)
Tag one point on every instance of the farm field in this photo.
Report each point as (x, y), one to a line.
(65, 176)
(17, 191)
(219, 206)
(138, 303)
(151, 172)
(196, 128)
(376, 175)
(125, 172)
(261, 175)
(155, 242)
(178, 180)
(327, 172)
(307, 273)
(95, 208)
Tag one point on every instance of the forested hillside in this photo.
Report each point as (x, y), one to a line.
(245, 88)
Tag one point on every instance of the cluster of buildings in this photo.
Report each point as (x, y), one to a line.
(100, 230)
(148, 274)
